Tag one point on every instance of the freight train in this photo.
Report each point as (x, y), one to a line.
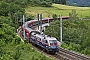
(46, 42)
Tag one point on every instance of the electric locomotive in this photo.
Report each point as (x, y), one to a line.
(48, 43)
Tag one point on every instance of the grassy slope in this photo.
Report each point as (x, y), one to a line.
(57, 9)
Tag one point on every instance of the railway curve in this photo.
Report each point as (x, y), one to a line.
(62, 54)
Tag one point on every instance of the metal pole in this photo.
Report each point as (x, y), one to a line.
(24, 26)
(41, 23)
(38, 20)
(60, 28)
(48, 19)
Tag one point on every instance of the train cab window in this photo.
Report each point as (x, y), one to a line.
(43, 40)
(46, 21)
(38, 39)
(46, 41)
(36, 23)
(52, 41)
(30, 26)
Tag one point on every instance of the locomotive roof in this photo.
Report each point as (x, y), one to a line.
(38, 34)
(50, 38)
(32, 21)
(45, 37)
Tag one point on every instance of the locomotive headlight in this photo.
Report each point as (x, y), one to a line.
(49, 47)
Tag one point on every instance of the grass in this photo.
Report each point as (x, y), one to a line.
(57, 9)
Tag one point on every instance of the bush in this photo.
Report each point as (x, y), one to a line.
(46, 4)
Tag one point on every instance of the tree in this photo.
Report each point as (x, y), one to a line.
(73, 15)
(17, 53)
(22, 3)
(30, 17)
(4, 9)
(46, 4)
(63, 2)
(59, 1)
(54, 16)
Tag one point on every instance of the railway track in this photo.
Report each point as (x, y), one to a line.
(72, 55)
(63, 54)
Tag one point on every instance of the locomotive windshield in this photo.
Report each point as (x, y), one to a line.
(53, 42)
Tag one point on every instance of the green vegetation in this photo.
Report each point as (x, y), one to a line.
(76, 33)
(59, 1)
(11, 46)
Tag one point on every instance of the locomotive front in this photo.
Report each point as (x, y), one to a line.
(53, 45)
